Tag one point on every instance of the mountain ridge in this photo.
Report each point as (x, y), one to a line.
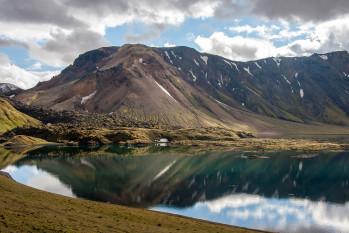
(181, 87)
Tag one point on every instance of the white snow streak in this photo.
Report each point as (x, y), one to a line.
(236, 67)
(301, 93)
(205, 59)
(277, 61)
(173, 54)
(248, 71)
(193, 75)
(86, 98)
(228, 63)
(256, 63)
(196, 62)
(165, 91)
(286, 79)
(168, 56)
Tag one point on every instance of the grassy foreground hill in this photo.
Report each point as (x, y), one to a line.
(24, 209)
(11, 118)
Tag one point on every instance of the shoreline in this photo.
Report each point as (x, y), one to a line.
(153, 221)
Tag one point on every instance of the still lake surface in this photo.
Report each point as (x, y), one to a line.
(285, 192)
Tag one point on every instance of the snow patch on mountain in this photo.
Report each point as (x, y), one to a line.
(236, 66)
(323, 57)
(168, 57)
(286, 79)
(301, 93)
(277, 61)
(86, 98)
(196, 62)
(247, 69)
(165, 91)
(256, 63)
(205, 59)
(173, 54)
(7, 87)
(221, 81)
(232, 64)
(228, 63)
(193, 75)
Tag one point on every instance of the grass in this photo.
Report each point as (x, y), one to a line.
(11, 118)
(22, 140)
(24, 209)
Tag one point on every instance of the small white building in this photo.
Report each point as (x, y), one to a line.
(164, 140)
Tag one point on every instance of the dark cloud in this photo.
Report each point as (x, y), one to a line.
(68, 46)
(228, 9)
(37, 11)
(306, 10)
(79, 24)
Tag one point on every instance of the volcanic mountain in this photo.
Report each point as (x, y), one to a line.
(184, 88)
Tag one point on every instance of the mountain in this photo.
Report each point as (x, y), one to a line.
(182, 87)
(7, 89)
(11, 118)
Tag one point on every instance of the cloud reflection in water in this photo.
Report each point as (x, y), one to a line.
(283, 215)
(32, 176)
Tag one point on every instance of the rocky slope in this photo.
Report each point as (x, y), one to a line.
(181, 87)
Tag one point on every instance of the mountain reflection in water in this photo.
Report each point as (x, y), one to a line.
(285, 192)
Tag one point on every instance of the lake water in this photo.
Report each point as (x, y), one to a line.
(286, 192)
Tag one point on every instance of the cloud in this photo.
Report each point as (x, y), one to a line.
(237, 47)
(305, 10)
(36, 66)
(6, 42)
(63, 47)
(258, 42)
(10, 73)
(55, 32)
(37, 12)
(328, 36)
(169, 45)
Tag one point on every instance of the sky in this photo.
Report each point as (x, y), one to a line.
(39, 38)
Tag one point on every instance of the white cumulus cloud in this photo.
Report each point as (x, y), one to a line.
(10, 73)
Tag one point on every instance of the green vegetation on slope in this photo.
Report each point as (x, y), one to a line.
(24, 209)
(11, 118)
(22, 140)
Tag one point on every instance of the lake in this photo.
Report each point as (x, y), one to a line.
(285, 191)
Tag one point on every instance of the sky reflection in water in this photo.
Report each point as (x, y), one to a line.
(286, 193)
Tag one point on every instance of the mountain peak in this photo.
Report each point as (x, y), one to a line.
(179, 86)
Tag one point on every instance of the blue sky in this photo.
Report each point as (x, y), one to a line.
(38, 38)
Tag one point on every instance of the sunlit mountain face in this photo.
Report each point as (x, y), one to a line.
(181, 87)
(287, 192)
